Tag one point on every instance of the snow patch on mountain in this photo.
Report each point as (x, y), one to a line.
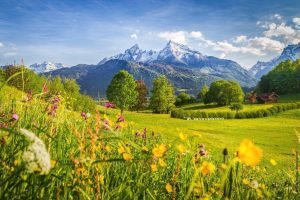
(291, 52)
(46, 67)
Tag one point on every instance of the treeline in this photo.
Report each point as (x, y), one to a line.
(29, 82)
(283, 79)
(127, 93)
(185, 114)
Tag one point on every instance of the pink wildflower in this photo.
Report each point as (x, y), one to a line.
(109, 105)
(15, 117)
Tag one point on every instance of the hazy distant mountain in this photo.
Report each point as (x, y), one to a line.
(291, 52)
(185, 68)
(46, 67)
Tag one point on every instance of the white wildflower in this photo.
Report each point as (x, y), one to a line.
(254, 184)
(36, 157)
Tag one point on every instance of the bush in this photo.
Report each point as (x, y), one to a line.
(182, 114)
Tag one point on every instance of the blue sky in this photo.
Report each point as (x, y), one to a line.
(73, 31)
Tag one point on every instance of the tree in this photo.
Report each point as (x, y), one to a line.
(283, 79)
(2, 75)
(236, 106)
(56, 86)
(84, 103)
(203, 92)
(122, 90)
(183, 98)
(71, 87)
(142, 91)
(72, 94)
(224, 92)
(162, 99)
(23, 78)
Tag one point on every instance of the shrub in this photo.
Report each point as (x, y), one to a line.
(241, 115)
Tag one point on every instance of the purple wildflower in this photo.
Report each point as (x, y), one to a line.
(121, 118)
(109, 105)
(15, 117)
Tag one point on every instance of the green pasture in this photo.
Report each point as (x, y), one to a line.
(275, 135)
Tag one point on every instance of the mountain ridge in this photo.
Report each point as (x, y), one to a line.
(291, 52)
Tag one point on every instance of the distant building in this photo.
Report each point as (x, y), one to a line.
(268, 98)
(252, 97)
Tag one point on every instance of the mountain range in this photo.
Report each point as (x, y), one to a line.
(291, 52)
(187, 69)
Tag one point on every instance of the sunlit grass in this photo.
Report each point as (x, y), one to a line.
(149, 156)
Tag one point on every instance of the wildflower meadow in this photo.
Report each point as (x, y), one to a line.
(51, 152)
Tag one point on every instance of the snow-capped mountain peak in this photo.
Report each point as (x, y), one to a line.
(135, 49)
(46, 66)
(134, 53)
(176, 52)
(172, 53)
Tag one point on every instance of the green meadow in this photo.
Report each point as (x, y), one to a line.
(275, 135)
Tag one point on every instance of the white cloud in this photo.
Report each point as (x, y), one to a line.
(273, 39)
(222, 55)
(265, 43)
(277, 30)
(287, 34)
(179, 36)
(296, 20)
(240, 39)
(1, 44)
(276, 16)
(9, 54)
(134, 36)
(196, 34)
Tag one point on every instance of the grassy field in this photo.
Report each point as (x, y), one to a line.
(276, 134)
(70, 155)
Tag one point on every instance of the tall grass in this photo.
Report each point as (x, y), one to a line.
(102, 157)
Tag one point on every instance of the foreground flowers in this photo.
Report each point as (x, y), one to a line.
(159, 150)
(248, 153)
(207, 168)
(36, 157)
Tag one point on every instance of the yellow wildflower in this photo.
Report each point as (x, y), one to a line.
(162, 163)
(53, 163)
(262, 186)
(246, 181)
(249, 154)
(145, 148)
(101, 179)
(153, 167)
(16, 162)
(159, 151)
(127, 156)
(182, 136)
(206, 197)
(223, 166)
(259, 193)
(181, 148)
(121, 149)
(108, 148)
(169, 188)
(207, 168)
(273, 162)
